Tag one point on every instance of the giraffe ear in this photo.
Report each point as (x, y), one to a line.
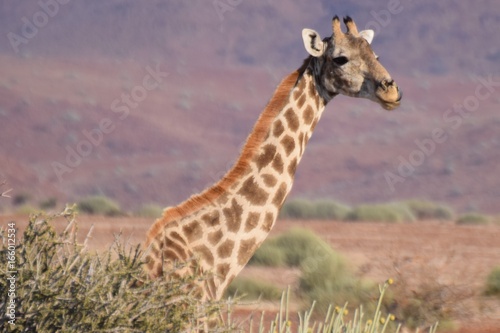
(313, 43)
(368, 35)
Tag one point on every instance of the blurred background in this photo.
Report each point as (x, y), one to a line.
(150, 102)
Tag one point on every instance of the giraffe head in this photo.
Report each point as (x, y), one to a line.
(345, 64)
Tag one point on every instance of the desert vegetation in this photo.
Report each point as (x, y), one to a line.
(326, 278)
(99, 205)
(473, 219)
(63, 286)
(493, 283)
(394, 212)
(408, 211)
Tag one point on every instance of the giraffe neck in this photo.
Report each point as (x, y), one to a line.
(270, 174)
(225, 224)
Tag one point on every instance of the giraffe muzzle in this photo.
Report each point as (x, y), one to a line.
(388, 94)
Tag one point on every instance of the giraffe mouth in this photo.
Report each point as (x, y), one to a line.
(389, 95)
(389, 105)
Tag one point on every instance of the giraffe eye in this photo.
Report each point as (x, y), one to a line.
(339, 61)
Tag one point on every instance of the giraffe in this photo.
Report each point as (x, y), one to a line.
(226, 223)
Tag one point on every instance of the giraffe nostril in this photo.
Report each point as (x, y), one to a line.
(383, 84)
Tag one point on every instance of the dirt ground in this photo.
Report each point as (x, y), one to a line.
(457, 258)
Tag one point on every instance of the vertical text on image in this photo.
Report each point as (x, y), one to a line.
(11, 273)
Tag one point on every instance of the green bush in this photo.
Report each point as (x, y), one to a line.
(61, 287)
(320, 210)
(48, 203)
(331, 210)
(297, 209)
(26, 209)
(391, 213)
(325, 276)
(473, 218)
(326, 272)
(253, 289)
(292, 248)
(99, 205)
(425, 210)
(150, 211)
(493, 282)
(299, 244)
(268, 255)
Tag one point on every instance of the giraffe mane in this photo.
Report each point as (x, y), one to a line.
(259, 133)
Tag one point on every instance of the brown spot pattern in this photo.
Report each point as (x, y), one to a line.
(252, 192)
(278, 164)
(268, 222)
(269, 180)
(292, 167)
(155, 250)
(314, 123)
(306, 139)
(308, 115)
(252, 221)
(292, 120)
(289, 144)
(311, 89)
(211, 219)
(225, 249)
(177, 237)
(266, 156)
(192, 231)
(150, 262)
(222, 270)
(301, 101)
(204, 253)
(297, 93)
(215, 237)
(302, 84)
(223, 198)
(301, 143)
(247, 248)
(278, 128)
(233, 216)
(181, 254)
(169, 255)
(280, 195)
(158, 271)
